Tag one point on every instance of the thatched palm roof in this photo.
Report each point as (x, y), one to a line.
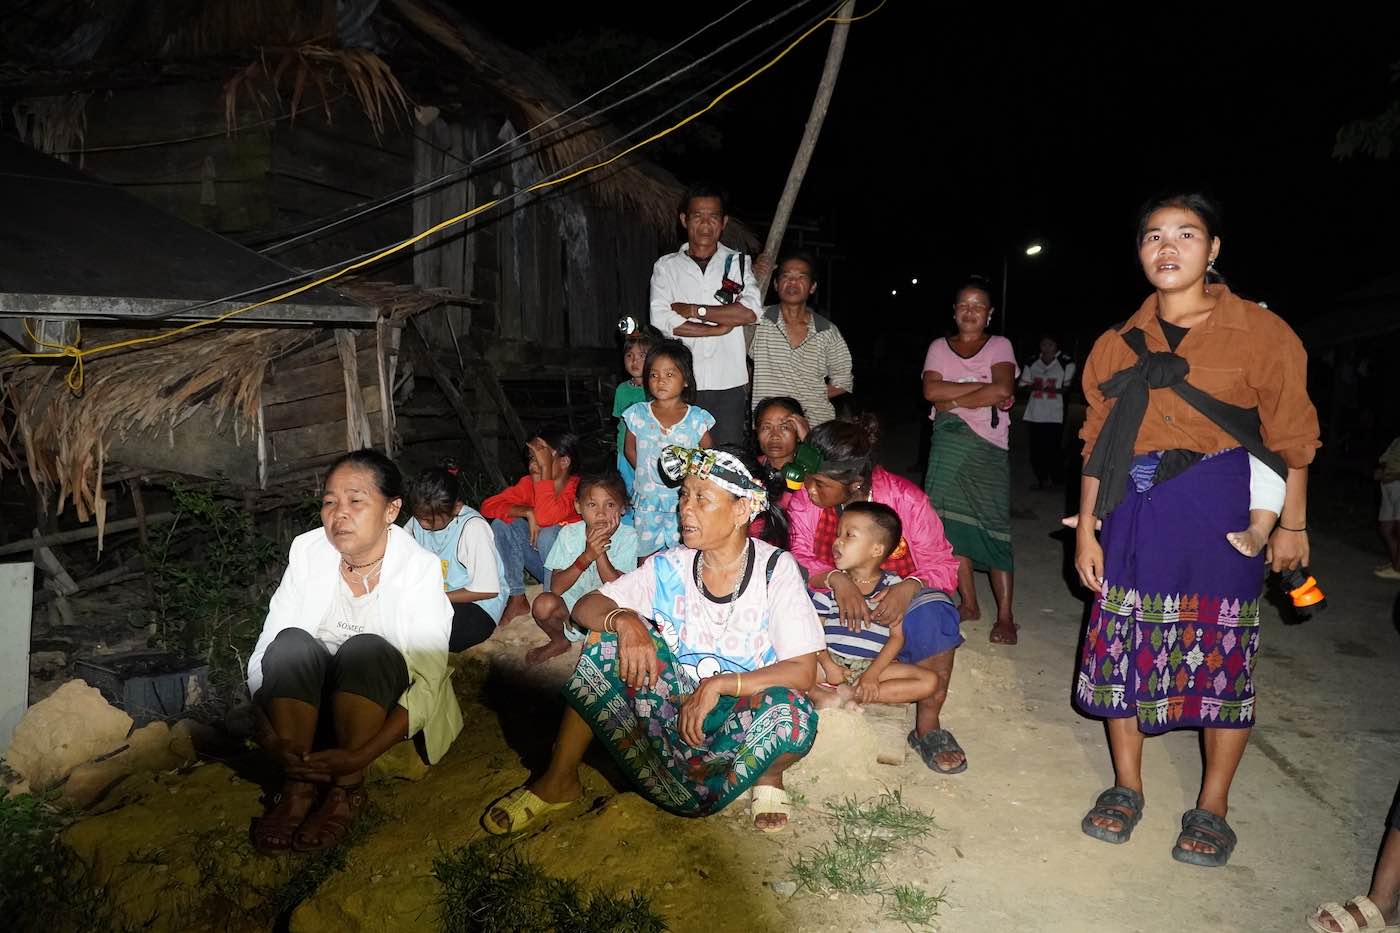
(53, 47)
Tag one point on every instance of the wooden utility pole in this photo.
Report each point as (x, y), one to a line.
(809, 136)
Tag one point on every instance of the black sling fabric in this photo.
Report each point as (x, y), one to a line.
(1113, 451)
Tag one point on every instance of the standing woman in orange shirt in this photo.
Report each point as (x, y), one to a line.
(1180, 396)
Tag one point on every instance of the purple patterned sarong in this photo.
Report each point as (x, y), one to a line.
(1173, 641)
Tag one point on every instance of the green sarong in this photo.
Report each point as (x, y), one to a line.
(743, 735)
(969, 486)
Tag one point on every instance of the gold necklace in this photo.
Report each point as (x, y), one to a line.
(866, 582)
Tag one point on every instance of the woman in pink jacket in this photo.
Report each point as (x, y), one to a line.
(924, 559)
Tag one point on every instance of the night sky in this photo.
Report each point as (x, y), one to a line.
(958, 135)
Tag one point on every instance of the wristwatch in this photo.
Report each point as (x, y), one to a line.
(701, 310)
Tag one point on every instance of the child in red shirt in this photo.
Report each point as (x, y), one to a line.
(527, 517)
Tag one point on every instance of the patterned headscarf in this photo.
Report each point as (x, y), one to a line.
(719, 467)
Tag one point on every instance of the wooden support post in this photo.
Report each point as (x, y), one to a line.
(486, 375)
(138, 503)
(803, 158)
(454, 398)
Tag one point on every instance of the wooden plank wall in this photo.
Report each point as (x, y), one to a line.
(553, 270)
(303, 400)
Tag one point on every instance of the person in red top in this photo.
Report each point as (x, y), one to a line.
(527, 517)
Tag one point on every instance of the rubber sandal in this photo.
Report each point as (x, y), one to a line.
(521, 808)
(331, 822)
(1203, 826)
(767, 800)
(999, 636)
(1111, 805)
(1345, 922)
(274, 831)
(936, 743)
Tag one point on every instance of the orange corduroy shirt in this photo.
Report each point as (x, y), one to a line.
(1242, 354)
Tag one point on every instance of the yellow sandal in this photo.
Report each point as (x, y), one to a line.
(521, 807)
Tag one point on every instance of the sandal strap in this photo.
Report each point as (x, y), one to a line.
(1194, 822)
(1342, 917)
(1121, 797)
(1369, 911)
(336, 814)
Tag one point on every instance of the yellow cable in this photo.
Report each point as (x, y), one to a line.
(856, 19)
(75, 374)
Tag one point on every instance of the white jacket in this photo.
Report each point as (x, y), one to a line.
(415, 617)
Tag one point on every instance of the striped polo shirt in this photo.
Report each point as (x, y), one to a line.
(840, 640)
(802, 372)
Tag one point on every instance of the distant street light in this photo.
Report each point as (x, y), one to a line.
(1034, 249)
(913, 281)
(893, 292)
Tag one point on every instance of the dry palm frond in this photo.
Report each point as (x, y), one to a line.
(54, 125)
(368, 76)
(65, 438)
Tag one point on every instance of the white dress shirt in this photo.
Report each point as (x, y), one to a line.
(720, 362)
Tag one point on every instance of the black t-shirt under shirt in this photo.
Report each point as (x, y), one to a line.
(1173, 333)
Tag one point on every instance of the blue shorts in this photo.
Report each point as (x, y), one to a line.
(930, 627)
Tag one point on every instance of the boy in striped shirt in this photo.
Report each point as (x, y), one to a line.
(859, 664)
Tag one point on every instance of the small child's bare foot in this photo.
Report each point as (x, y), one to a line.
(846, 694)
(517, 605)
(824, 698)
(551, 649)
(1248, 542)
(853, 705)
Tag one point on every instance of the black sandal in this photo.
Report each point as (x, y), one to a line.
(1117, 803)
(1203, 826)
(935, 743)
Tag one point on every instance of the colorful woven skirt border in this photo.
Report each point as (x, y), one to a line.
(1174, 640)
(969, 485)
(744, 735)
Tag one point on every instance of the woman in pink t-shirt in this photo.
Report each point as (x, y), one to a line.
(970, 378)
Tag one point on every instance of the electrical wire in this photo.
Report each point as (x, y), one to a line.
(312, 273)
(549, 138)
(74, 379)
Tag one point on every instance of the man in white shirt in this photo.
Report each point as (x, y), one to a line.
(1048, 376)
(703, 294)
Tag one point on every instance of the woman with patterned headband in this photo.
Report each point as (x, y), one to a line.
(695, 672)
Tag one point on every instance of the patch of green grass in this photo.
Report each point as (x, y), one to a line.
(42, 886)
(886, 816)
(913, 907)
(853, 862)
(849, 864)
(489, 887)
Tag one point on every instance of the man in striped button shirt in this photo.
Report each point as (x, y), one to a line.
(797, 352)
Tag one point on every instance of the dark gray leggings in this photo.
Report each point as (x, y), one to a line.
(298, 667)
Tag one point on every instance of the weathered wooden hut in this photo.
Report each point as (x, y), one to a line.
(312, 133)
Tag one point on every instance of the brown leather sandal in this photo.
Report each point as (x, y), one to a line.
(275, 830)
(331, 822)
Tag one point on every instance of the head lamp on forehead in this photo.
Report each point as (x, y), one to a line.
(808, 460)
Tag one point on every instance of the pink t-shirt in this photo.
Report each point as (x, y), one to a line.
(948, 364)
(771, 622)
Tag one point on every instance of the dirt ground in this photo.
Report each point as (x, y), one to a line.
(1309, 802)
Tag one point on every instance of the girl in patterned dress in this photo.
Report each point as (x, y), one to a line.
(669, 418)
